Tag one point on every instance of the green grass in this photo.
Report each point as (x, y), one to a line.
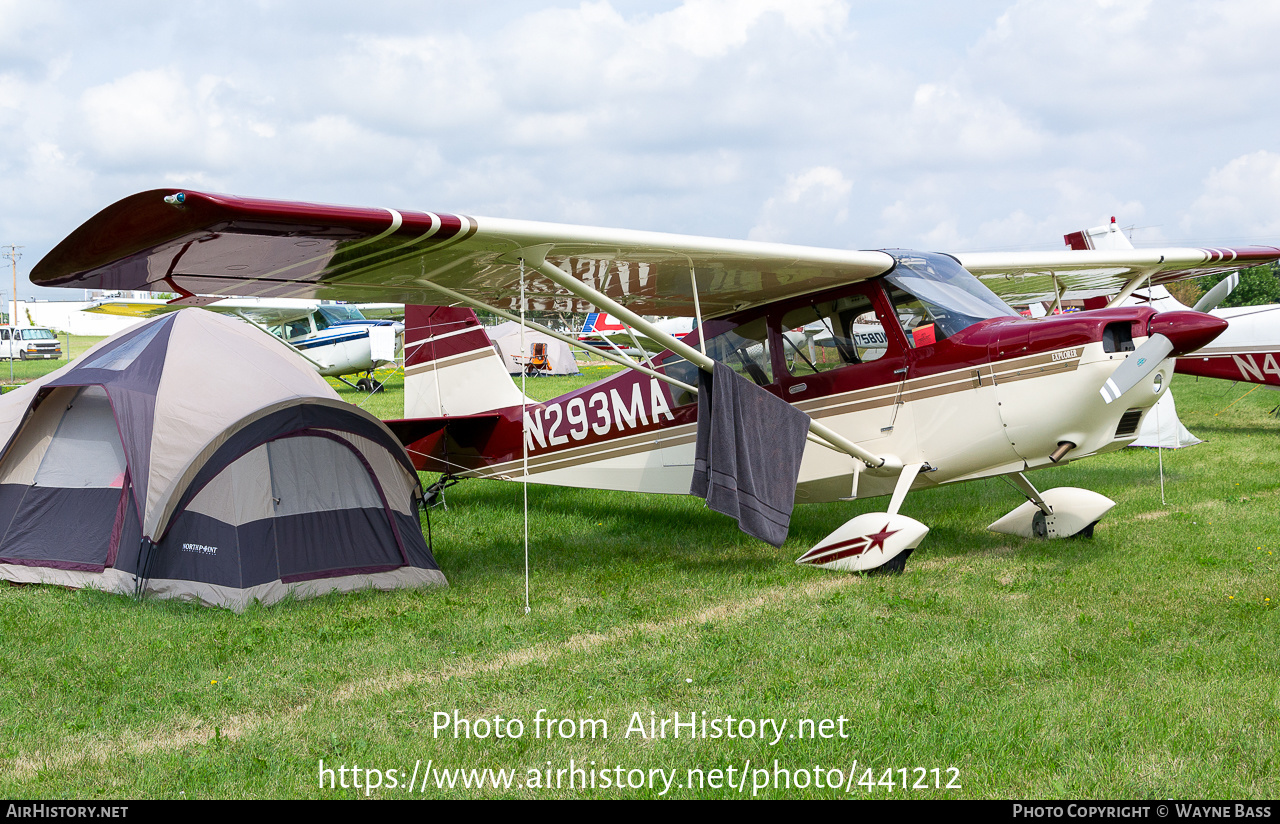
(1140, 663)
(13, 373)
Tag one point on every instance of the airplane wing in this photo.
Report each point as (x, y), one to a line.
(195, 243)
(203, 244)
(381, 311)
(1024, 277)
(267, 314)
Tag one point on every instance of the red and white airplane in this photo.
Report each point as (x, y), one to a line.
(600, 330)
(1249, 350)
(962, 387)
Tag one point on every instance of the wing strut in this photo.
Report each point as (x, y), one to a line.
(296, 350)
(577, 287)
(621, 360)
(618, 359)
(1133, 284)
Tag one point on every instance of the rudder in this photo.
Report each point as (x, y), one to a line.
(451, 367)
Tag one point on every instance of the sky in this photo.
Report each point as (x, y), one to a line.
(984, 125)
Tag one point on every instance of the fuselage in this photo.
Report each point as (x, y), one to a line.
(340, 340)
(970, 396)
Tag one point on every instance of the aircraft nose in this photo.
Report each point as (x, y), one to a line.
(1186, 330)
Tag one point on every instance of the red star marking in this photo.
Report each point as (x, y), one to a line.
(878, 539)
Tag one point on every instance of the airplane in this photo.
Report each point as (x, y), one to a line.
(964, 388)
(1249, 350)
(337, 339)
(602, 331)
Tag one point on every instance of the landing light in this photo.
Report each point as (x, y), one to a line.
(1158, 383)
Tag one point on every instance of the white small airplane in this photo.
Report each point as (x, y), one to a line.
(1249, 350)
(963, 388)
(337, 339)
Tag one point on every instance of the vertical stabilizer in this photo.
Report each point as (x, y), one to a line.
(450, 366)
(1099, 237)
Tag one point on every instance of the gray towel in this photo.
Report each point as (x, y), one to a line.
(747, 458)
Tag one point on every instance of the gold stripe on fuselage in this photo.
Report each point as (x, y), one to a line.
(860, 400)
(451, 360)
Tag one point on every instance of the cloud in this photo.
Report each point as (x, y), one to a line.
(994, 124)
(1240, 199)
(815, 197)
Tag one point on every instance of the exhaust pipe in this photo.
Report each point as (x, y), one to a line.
(1063, 448)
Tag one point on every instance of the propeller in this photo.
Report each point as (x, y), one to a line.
(1210, 300)
(1170, 333)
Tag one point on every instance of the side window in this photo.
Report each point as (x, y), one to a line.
(322, 321)
(4, 334)
(916, 322)
(744, 349)
(831, 335)
(297, 328)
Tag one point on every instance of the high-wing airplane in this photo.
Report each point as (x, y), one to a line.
(337, 339)
(963, 387)
(1249, 350)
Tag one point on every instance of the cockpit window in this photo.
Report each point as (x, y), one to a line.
(935, 297)
(337, 313)
(825, 336)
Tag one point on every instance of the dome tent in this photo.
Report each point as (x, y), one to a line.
(555, 357)
(194, 457)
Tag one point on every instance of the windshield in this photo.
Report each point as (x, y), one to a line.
(37, 334)
(334, 313)
(935, 295)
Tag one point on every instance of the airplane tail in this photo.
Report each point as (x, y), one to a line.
(1099, 237)
(450, 367)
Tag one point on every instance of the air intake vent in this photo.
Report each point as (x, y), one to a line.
(1128, 423)
(1117, 337)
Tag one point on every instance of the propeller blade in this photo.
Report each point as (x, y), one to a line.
(1140, 364)
(1217, 294)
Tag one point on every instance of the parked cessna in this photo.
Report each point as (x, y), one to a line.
(964, 387)
(337, 339)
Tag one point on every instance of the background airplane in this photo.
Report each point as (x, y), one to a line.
(337, 339)
(965, 388)
(1249, 350)
(602, 331)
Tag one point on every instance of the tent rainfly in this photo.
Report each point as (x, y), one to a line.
(193, 457)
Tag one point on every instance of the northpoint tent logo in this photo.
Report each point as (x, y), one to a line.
(200, 548)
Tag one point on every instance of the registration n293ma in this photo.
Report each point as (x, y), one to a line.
(556, 424)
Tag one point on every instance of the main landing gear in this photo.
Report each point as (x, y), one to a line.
(874, 541)
(881, 542)
(1064, 512)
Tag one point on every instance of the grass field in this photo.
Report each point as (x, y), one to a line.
(1140, 663)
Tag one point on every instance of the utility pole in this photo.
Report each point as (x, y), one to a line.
(12, 253)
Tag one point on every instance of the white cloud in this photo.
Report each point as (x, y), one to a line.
(1240, 199)
(150, 117)
(818, 197)
(994, 125)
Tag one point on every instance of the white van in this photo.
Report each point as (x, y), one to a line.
(29, 343)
